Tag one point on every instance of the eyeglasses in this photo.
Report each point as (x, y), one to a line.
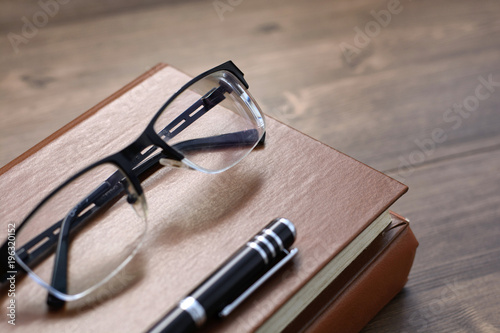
(209, 125)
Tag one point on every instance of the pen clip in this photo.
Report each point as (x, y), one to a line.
(230, 307)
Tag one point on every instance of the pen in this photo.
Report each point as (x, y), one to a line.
(234, 280)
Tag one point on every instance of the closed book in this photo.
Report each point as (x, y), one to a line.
(195, 221)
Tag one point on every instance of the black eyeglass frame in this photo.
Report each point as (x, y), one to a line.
(124, 161)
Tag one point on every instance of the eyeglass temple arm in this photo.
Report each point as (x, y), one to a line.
(195, 111)
(228, 140)
(83, 211)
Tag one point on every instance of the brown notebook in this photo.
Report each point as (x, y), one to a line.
(196, 220)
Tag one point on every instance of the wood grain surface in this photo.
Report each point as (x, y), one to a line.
(411, 88)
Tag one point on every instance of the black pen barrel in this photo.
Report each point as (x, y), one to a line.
(233, 277)
(238, 273)
(177, 320)
(226, 284)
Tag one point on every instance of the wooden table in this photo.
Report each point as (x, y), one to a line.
(411, 88)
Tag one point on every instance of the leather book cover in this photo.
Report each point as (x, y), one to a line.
(195, 220)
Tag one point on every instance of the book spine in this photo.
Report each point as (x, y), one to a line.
(368, 293)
